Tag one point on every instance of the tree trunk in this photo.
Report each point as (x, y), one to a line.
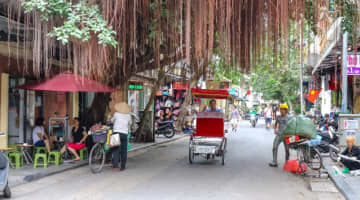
(147, 136)
(187, 101)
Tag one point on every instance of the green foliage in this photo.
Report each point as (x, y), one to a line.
(222, 69)
(350, 15)
(80, 20)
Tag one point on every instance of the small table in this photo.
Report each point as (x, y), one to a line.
(27, 156)
(8, 149)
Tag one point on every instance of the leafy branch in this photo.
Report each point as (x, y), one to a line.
(80, 20)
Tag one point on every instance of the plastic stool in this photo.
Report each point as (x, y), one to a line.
(39, 156)
(83, 153)
(55, 158)
(16, 159)
(128, 143)
(39, 150)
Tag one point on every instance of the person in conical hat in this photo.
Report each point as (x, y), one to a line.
(122, 123)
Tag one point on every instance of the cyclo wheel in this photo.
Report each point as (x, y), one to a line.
(97, 158)
(191, 153)
(223, 153)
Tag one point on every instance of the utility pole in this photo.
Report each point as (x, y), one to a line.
(301, 75)
(344, 73)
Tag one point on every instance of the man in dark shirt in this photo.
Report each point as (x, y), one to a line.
(353, 152)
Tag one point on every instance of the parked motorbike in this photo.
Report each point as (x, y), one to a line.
(166, 128)
(4, 172)
(329, 142)
(134, 124)
(253, 120)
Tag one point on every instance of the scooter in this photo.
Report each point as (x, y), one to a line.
(4, 172)
(166, 128)
(253, 120)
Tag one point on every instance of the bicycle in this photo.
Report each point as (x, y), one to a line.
(97, 154)
(305, 152)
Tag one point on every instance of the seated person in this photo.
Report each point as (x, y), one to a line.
(353, 152)
(213, 107)
(78, 135)
(40, 139)
(167, 115)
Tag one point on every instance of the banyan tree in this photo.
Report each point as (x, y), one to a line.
(111, 39)
(144, 34)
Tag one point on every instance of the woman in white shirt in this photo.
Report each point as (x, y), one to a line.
(40, 139)
(122, 122)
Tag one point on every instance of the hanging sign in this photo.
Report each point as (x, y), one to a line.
(353, 66)
(136, 86)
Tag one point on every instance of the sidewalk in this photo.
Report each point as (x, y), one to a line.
(27, 173)
(348, 185)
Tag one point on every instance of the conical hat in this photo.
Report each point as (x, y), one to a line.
(122, 107)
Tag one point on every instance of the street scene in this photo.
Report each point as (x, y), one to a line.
(180, 99)
(163, 172)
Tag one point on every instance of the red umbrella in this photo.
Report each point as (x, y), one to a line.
(67, 82)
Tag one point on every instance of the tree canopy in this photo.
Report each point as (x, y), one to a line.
(98, 38)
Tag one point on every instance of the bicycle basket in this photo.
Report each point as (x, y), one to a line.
(99, 136)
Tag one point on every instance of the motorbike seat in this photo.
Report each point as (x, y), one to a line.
(164, 122)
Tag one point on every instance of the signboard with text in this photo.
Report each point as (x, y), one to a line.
(353, 67)
(136, 85)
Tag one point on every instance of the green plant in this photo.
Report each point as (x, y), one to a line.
(79, 20)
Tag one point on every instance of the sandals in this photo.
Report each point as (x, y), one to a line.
(76, 159)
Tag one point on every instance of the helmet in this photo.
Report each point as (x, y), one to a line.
(284, 106)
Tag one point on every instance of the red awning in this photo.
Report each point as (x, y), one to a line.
(67, 82)
(211, 94)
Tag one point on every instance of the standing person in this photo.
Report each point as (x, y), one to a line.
(78, 136)
(268, 116)
(40, 139)
(234, 118)
(122, 123)
(280, 125)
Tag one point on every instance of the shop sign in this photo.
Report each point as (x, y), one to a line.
(136, 86)
(180, 85)
(353, 66)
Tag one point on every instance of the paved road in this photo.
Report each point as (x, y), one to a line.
(163, 172)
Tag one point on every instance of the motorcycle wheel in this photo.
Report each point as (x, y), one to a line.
(253, 124)
(7, 192)
(333, 154)
(170, 133)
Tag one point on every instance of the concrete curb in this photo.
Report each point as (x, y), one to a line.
(37, 176)
(344, 188)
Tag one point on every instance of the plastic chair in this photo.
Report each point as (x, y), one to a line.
(39, 156)
(84, 153)
(55, 158)
(16, 158)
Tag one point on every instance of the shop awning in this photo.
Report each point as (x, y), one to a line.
(212, 94)
(67, 82)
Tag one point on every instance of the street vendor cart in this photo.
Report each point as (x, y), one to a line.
(209, 140)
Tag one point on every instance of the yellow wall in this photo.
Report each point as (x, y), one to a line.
(4, 105)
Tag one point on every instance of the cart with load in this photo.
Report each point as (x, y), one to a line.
(209, 140)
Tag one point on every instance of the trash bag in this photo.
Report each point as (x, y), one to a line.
(300, 125)
(293, 166)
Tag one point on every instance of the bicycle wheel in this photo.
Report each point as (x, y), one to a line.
(97, 158)
(315, 162)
